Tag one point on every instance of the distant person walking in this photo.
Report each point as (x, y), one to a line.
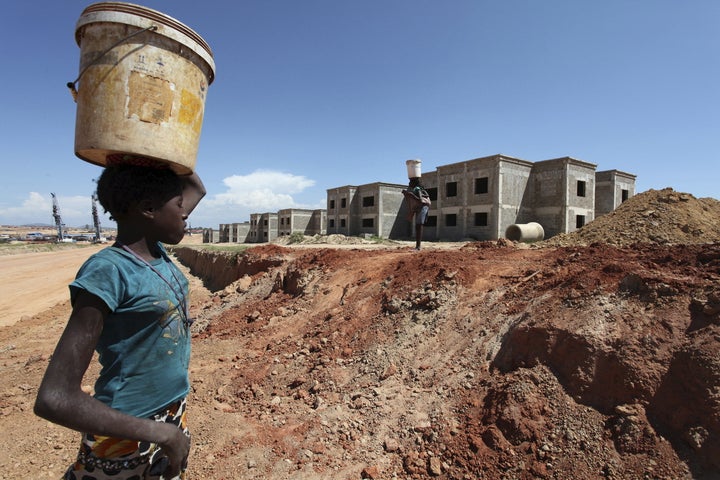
(130, 304)
(418, 207)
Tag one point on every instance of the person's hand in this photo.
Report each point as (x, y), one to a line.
(177, 450)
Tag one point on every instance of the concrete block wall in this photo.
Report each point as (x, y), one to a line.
(210, 235)
(390, 212)
(364, 206)
(224, 233)
(270, 224)
(452, 192)
(372, 209)
(305, 221)
(318, 223)
(263, 227)
(239, 232)
(293, 220)
(612, 187)
(511, 201)
(476, 199)
(563, 192)
(254, 236)
(338, 209)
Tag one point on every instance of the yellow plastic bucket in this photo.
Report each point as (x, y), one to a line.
(141, 88)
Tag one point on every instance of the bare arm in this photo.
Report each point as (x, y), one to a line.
(193, 191)
(61, 400)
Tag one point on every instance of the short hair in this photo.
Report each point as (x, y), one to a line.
(122, 186)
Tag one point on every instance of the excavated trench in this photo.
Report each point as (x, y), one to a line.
(219, 269)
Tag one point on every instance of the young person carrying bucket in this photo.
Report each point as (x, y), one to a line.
(129, 301)
(418, 200)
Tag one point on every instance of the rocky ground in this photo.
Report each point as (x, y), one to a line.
(588, 356)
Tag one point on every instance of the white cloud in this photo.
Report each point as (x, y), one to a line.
(268, 179)
(75, 211)
(34, 209)
(259, 192)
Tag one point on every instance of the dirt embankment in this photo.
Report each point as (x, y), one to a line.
(586, 360)
(578, 362)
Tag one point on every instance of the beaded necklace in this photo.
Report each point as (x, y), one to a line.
(182, 305)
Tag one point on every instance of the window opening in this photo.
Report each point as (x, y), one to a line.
(580, 188)
(481, 185)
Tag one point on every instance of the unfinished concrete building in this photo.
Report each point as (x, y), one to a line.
(263, 227)
(299, 220)
(234, 232)
(210, 235)
(480, 198)
(375, 209)
(562, 192)
(224, 233)
(612, 187)
(476, 199)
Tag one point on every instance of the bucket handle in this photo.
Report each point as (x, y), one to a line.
(73, 85)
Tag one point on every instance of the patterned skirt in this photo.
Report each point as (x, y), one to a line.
(108, 458)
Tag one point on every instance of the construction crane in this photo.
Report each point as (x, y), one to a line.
(58, 219)
(96, 219)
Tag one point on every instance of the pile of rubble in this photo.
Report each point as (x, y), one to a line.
(662, 217)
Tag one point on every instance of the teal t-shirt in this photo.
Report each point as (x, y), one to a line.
(144, 347)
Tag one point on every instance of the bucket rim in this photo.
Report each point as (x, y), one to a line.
(143, 17)
(100, 158)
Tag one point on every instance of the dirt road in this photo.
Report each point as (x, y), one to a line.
(38, 281)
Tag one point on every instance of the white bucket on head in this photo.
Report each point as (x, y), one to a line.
(413, 168)
(143, 83)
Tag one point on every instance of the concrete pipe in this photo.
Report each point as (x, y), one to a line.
(525, 232)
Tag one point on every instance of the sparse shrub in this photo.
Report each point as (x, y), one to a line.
(296, 237)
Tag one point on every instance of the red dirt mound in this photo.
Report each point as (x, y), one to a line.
(485, 362)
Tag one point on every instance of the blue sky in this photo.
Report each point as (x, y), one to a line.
(316, 94)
